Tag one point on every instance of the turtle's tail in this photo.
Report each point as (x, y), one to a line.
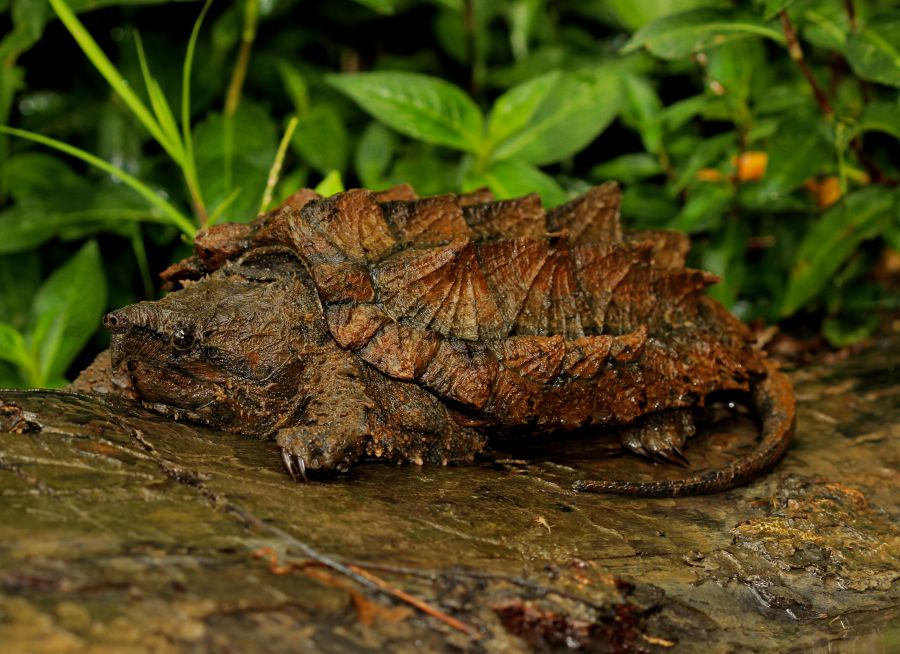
(773, 399)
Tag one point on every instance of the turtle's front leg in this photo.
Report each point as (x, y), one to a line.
(660, 436)
(333, 422)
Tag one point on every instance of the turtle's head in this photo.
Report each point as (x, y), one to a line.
(228, 350)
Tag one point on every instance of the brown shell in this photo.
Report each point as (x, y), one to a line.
(515, 315)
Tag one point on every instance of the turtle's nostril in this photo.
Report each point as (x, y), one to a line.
(115, 321)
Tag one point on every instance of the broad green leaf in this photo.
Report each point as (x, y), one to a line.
(832, 238)
(577, 109)
(331, 184)
(253, 150)
(737, 65)
(426, 170)
(643, 111)
(514, 178)
(67, 311)
(680, 35)
(19, 280)
(373, 154)
(514, 109)
(321, 139)
(12, 345)
(797, 152)
(725, 257)
(426, 108)
(826, 24)
(678, 114)
(28, 20)
(874, 51)
(634, 14)
(647, 206)
(880, 117)
(627, 168)
(704, 209)
(30, 174)
(295, 86)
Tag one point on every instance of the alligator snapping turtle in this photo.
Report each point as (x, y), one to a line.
(383, 325)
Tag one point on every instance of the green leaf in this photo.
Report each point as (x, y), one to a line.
(725, 257)
(826, 25)
(253, 150)
(321, 139)
(12, 345)
(514, 178)
(634, 14)
(704, 208)
(28, 19)
(736, 66)
(573, 112)
(627, 168)
(19, 280)
(643, 111)
(331, 184)
(295, 86)
(426, 108)
(677, 115)
(67, 311)
(874, 51)
(426, 170)
(373, 154)
(879, 117)
(680, 35)
(863, 214)
(30, 174)
(514, 109)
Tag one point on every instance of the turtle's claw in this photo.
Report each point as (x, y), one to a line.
(296, 466)
(301, 468)
(287, 463)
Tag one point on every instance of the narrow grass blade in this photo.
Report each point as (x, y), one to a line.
(160, 106)
(190, 168)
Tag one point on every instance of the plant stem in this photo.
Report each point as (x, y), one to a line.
(796, 53)
(248, 35)
(275, 170)
(851, 14)
(236, 85)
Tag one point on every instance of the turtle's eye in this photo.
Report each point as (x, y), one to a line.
(182, 339)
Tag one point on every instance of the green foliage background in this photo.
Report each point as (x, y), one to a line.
(132, 123)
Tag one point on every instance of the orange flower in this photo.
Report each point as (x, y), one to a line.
(751, 165)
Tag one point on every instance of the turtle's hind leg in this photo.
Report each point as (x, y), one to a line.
(774, 402)
(661, 436)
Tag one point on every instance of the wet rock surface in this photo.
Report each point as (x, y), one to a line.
(123, 531)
